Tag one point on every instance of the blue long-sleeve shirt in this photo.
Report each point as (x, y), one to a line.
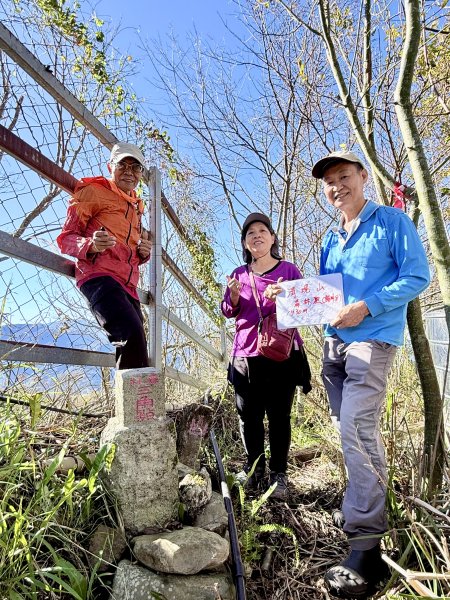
(382, 262)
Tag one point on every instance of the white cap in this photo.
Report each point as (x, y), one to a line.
(123, 150)
(334, 157)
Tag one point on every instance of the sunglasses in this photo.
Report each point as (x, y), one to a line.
(136, 168)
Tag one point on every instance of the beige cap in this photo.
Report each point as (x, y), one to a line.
(123, 150)
(334, 157)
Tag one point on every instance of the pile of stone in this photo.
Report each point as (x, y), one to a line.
(152, 490)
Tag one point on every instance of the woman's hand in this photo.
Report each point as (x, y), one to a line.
(273, 289)
(235, 289)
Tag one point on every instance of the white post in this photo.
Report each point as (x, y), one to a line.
(223, 343)
(155, 271)
(223, 337)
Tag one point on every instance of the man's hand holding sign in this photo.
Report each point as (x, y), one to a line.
(350, 315)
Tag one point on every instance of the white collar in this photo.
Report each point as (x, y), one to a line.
(354, 226)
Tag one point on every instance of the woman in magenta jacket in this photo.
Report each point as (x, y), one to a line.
(262, 386)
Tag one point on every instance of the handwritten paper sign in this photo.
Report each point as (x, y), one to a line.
(310, 301)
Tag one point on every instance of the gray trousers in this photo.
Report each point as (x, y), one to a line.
(355, 377)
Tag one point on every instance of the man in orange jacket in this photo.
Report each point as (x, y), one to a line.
(103, 231)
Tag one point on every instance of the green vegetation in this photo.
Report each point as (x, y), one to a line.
(251, 521)
(300, 537)
(204, 269)
(46, 517)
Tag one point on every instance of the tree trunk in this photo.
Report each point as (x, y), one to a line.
(426, 193)
(369, 109)
(432, 398)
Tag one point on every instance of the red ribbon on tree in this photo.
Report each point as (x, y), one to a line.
(399, 197)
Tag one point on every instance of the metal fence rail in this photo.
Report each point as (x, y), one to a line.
(20, 344)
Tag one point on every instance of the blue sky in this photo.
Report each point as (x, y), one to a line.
(153, 18)
(156, 16)
(141, 21)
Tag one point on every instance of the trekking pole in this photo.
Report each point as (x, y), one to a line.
(234, 542)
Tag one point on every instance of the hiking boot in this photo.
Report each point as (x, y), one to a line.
(281, 492)
(357, 575)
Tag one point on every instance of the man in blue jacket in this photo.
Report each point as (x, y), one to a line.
(384, 266)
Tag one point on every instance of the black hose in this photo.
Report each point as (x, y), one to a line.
(79, 413)
(234, 541)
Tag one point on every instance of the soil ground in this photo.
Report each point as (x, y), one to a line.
(315, 491)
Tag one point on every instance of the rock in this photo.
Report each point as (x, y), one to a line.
(140, 396)
(137, 583)
(213, 516)
(143, 475)
(185, 552)
(192, 428)
(106, 545)
(195, 491)
(183, 470)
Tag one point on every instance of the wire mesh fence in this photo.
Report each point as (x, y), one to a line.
(44, 308)
(437, 333)
(40, 307)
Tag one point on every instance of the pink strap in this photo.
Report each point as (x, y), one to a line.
(255, 294)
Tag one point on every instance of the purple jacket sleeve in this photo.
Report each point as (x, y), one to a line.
(229, 311)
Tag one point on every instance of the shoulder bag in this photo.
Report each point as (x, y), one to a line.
(273, 343)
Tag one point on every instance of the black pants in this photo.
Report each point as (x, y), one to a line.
(263, 386)
(121, 317)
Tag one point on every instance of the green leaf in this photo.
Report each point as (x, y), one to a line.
(62, 584)
(98, 463)
(51, 469)
(68, 489)
(34, 401)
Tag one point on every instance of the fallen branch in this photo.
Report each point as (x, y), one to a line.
(414, 578)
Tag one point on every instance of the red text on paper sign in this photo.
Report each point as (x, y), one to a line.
(301, 305)
(305, 289)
